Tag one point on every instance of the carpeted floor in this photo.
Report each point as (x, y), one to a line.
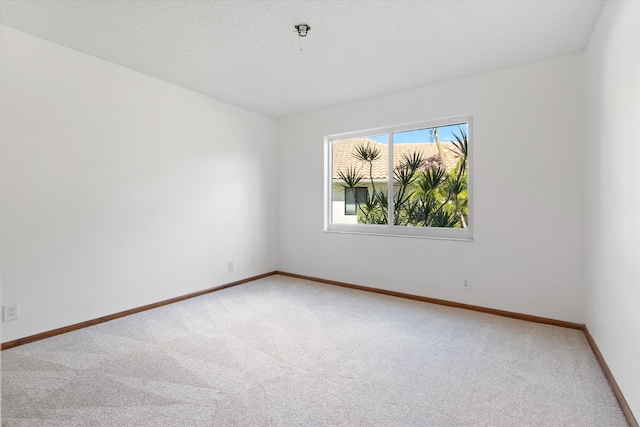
(287, 352)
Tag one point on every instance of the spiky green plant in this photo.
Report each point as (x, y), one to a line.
(425, 193)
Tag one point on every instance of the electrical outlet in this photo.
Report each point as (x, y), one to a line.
(230, 265)
(253, 262)
(466, 283)
(11, 311)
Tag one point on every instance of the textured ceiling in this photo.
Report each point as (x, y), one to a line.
(246, 52)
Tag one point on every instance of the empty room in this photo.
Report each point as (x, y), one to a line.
(331, 213)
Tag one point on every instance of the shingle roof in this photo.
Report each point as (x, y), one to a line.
(343, 156)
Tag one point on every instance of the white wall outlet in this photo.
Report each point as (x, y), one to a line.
(11, 311)
(466, 283)
(230, 265)
(253, 262)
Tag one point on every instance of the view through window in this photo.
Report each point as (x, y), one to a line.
(425, 168)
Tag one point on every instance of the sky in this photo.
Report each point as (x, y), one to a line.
(445, 134)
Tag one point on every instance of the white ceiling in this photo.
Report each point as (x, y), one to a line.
(246, 52)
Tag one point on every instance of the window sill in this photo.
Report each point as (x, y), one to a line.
(455, 234)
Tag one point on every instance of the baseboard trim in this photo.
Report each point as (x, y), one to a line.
(503, 313)
(70, 328)
(612, 381)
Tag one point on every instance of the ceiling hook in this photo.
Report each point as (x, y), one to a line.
(302, 29)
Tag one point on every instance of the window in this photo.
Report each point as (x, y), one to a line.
(353, 198)
(425, 167)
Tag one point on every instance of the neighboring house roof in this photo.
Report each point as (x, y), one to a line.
(343, 156)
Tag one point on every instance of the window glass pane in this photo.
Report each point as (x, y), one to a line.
(430, 177)
(362, 194)
(353, 198)
(411, 180)
(350, 201)
(359, 180)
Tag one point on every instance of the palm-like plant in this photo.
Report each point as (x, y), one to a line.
(351, 178)
(368, 154)
(458, 187)
(404, 176)
(462, 149)
(426, 194)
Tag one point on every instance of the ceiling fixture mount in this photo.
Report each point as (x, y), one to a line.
(303, 29)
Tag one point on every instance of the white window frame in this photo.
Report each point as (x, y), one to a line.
(390, 229)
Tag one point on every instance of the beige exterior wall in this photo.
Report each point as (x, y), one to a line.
(337, 203)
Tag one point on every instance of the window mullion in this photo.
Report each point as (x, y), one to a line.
(390, 213)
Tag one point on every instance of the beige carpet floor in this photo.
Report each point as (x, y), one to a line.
(286, 352)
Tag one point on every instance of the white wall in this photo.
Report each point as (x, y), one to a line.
(612, 193)
(528, 171)
(120, 190)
